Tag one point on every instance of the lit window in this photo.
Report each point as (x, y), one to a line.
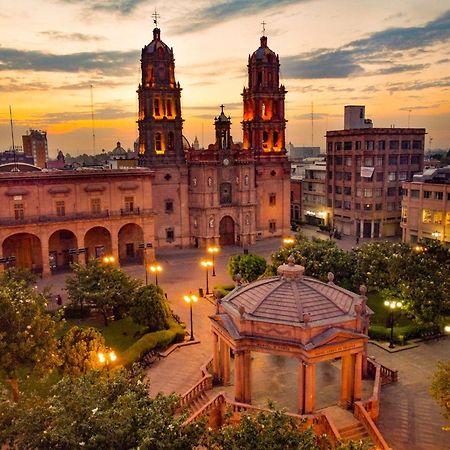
(426, 216)
(169, 108)
(158, 142)
(157, 110)
(437, 217)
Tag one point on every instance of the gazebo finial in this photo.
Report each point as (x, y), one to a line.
(291, 260)
(330, 278)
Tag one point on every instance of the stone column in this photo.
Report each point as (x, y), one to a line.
(361, 229)
(216, 366)
(372, 229)
(225, 363)
(115, 245)
(357, 377)
(310, 387)
(301, 387)
(238, 376)
(346, 381)
(247, 376)
(45, 262)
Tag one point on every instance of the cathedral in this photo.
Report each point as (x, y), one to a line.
(228, 193)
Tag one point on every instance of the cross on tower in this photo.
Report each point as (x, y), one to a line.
(155, 16)
(222, 106)
(264, 27)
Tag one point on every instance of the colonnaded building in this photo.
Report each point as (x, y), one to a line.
(181, 196)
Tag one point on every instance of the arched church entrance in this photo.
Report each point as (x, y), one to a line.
(226, 231)
(62, 249)
(27, 250)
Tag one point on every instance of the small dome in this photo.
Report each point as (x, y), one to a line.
(292, 299)
(119, 150)
(264, 53)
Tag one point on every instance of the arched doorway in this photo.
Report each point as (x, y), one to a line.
(97, 242)
(226, 231)
(62, 249)
(130, 236)
(27, 250)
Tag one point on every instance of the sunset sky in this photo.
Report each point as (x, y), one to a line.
(392, 56)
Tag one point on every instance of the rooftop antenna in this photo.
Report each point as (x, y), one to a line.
(155, 16)
(92, 117)
(16, 169)
(312, 124)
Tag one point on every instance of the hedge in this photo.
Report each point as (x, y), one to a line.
(401, 333)
(157, 339)
(224, 289)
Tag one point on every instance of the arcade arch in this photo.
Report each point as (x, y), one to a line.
(62, 248)
(130, 236)
(27, 249)
(97, 242)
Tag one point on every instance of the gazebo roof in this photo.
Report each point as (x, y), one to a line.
(292, 299)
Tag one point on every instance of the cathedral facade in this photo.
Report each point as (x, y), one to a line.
(225, 194)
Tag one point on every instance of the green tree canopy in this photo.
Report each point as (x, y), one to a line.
(150, 308)
(319, 257)
(27, 332)
(104, 285)
(97, 412)
(79, 349)
(250, 266)
(440, 389)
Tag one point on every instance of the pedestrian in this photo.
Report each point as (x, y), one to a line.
(357, 240)
(58, 300)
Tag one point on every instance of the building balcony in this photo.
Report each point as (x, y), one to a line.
(50, 218)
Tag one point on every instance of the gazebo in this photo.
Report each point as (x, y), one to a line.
(296, 316)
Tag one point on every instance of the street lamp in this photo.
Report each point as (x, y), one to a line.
(206, 263)
(392, 305)
(288, 241)
(155, 268)
(108, 259)
(213, 250)
(191, 298)
(436, 234)
(106, 358)
(447, 329)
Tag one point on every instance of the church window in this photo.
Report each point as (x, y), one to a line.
(60, 208)
(225, 194)
(169, 206)
(259, 78)
(246, 180)
(210, 181)
(195, 223)
(272, 199)
(169, 108)
(158, 142)
(275, 138)
(265, 138)
(263, 110)
(170, 234)
(194, 181)
(211, 222)
(157, 110)
(272, 226)
(171, 140)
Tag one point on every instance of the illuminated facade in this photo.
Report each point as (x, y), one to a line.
(224, 194)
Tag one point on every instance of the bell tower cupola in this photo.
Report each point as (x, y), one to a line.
(264, 121)
(160, 122)
(222, 124)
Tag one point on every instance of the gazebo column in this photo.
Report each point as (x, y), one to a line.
(216, 356)
(301, 387)
(247, 375)
(310, 387)
(347, 372)
(239, 376)
(225, 362)
(357, 377)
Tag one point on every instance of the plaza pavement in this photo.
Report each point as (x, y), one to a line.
(409, 419)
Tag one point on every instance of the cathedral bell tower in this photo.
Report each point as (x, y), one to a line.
(160, 123)
(222, 124)
(264, 123)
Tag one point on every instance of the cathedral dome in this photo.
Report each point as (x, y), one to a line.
(263, 54)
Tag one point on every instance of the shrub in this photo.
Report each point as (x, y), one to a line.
(250, 266)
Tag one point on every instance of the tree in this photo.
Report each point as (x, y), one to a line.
(250, 266)
(319, 257)
(440, 389)
(104, 285)
(18, 274)
(94, 411)
(79, 349)
(150, 308)
(27, 332)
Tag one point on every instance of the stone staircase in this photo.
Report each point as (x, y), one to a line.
(198, 402)
(354, 432)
